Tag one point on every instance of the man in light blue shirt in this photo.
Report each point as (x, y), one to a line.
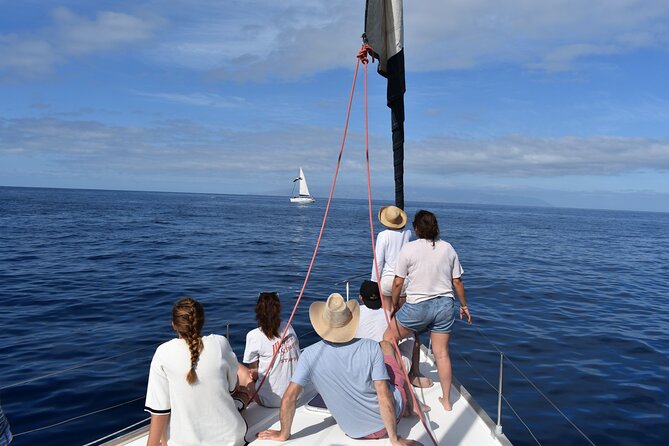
(351, 376)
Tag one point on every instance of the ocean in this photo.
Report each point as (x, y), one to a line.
(576, 299)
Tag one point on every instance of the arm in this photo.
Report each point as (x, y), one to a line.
(380, 258)
(459, 288)
(253, 370)
(288, 403)
(157, 431)
(387, 409)
(398, 283)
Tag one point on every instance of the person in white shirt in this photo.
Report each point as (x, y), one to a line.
(191, 382)
(388, 245)
(373, 324)
(433, 270)
(261, 345)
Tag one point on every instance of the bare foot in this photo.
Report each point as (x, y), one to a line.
(422, 382)
(447, 404)
(424, 408)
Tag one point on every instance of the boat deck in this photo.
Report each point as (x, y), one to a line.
(466, 424)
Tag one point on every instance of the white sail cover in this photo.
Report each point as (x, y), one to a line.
(384, 30)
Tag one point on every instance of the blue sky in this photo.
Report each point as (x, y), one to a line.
(555, 102)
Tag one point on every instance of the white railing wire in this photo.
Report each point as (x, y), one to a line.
(69, 369)
(114, 434)
(77, 417)
(503, 397)
(534, 386)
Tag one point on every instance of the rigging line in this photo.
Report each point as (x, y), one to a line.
(352, 277)
(69, 369)
(82, 365)
(118, 432)
(549, 401)
(362, 55)
(320, 234)
(77, 417)
(505, 400)
(537, 388)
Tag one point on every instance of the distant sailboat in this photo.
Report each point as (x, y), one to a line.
(303, 195)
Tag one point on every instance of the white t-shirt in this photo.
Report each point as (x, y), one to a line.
(201, 413)
(373, 324)
(388, 245)
(429, 269)
(260, 348)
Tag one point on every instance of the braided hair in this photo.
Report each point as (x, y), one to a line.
(188, 319)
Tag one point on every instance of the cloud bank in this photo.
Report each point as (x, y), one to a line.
(192, 148)
(261, 39)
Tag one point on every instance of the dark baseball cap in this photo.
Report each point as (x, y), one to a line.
(369, 291)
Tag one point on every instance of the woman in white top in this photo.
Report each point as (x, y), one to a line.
(388, 245)
(433, 270)
(262, 343)
(190, 387)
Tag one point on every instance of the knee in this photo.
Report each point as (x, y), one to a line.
(386, 347)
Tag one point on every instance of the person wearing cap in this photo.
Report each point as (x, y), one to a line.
(351, 376)
(373, 325)
(388, 245)
(433, 270)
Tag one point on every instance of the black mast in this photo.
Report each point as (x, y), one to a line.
(383, 32)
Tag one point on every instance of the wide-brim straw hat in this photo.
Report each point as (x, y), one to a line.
(335, 320)
(392, 217)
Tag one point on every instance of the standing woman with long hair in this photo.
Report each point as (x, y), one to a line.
(191, 380)
(262, 343)
(433, 271)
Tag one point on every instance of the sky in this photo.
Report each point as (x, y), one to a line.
(554, 102)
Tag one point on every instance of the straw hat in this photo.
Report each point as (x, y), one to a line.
(335, 320)
(392, 217)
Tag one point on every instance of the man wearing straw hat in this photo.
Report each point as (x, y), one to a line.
(351, 376)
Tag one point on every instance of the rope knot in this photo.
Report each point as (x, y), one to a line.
(364, 51)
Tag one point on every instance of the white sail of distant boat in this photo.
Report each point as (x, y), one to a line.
(303, 195)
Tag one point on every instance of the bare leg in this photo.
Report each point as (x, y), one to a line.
(245, 385)
(443, 360)
(396, 331)
(417, 379)
(388, 350)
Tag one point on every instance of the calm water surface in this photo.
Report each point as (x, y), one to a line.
(577, 299)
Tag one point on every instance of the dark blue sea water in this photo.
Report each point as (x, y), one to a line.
(577, 299)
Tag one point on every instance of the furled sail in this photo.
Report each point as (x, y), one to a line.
(384, 32)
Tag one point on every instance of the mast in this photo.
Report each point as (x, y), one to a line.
(384, 32)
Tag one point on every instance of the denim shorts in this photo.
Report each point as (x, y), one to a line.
(436, 315)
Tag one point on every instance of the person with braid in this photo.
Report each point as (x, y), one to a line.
(191, 383)
(263, 343)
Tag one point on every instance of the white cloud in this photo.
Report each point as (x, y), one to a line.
(260, 39)
(197, 99)
(182, 145)
(35, 54)
(109, 30)
(524, 156)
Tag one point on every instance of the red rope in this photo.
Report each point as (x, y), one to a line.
(320, 235)
(376, 265)
(362, 58)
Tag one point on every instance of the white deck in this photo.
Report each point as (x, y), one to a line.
(466, 425)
